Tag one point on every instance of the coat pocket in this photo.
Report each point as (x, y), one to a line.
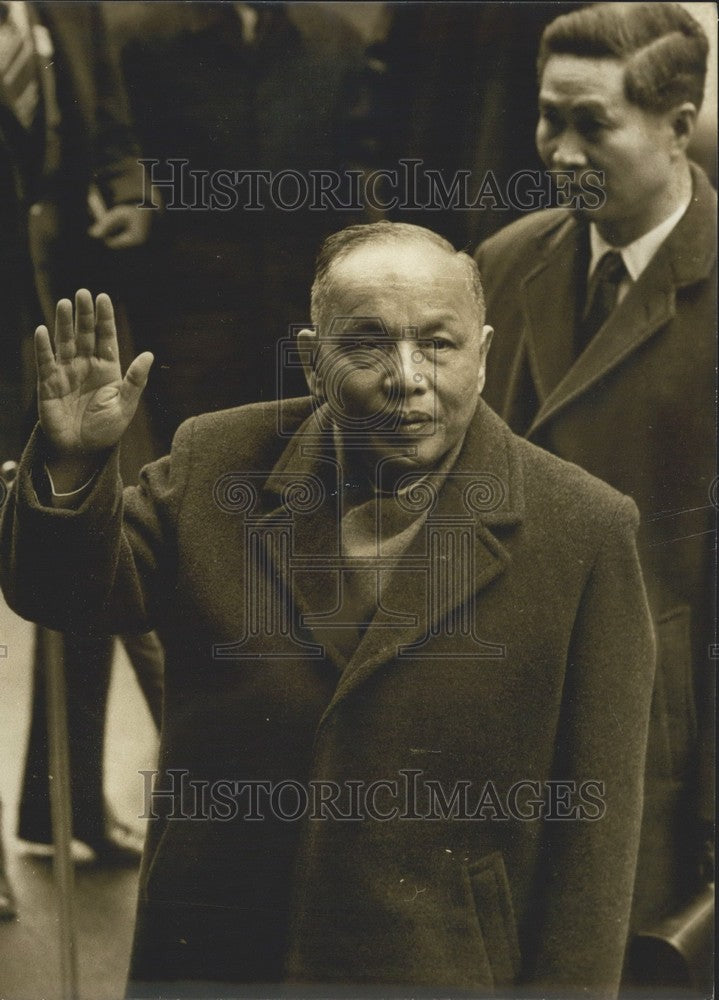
(495, 913)
(674, 721)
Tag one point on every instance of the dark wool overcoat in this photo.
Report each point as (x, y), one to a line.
(513, 648)
(638, 410)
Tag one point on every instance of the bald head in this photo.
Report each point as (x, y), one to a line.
(417, 241)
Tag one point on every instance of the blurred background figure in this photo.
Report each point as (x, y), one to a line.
(236, 87)
(460, 94)
(64, 133)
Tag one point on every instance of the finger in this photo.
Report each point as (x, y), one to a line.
(138, 372)
(44, 356)
(84, 323)
(105, 329)
(135, 380)
(120, 241)
(101, 227)
(111, 222)
(64, 331)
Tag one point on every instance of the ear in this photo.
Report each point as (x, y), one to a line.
(307, 347)
(486, 335)
(683, 120)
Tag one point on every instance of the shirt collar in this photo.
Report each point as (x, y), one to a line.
(636, 255)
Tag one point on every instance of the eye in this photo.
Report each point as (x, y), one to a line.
(589, 126)
(435, 344)
(549, 119)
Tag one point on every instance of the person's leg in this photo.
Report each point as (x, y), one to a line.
(88, 662)
(87, 679)
(88, 666)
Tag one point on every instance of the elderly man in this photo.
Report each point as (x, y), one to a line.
(606, 356)
(409, 659)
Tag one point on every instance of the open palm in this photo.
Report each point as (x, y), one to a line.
(85, 404)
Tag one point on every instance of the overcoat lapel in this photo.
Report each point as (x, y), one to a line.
(303, 493)
(685, 258)
(483, 491)
(648, 305)
(549, 299)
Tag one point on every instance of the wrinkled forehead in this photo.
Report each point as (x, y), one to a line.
(401, 282)
(402, 291)
(399, 262)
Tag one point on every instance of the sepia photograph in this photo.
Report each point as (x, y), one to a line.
(358, 500)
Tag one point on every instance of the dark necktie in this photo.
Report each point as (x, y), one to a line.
(601, 296)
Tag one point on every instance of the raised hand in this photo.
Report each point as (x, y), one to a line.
(85, 405)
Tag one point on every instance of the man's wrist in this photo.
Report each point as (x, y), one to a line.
(68, 474)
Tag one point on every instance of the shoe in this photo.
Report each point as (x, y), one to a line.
(119, 847)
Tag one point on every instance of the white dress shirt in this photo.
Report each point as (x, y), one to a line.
(636, 255)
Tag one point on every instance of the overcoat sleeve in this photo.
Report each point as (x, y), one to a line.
(107, 567)
(590, 861)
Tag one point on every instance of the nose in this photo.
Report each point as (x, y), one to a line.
(408, 373)
(566, 152)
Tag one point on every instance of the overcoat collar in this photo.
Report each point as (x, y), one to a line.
(550, 307)
(484, 492)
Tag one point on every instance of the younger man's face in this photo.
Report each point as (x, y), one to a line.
(586, 123)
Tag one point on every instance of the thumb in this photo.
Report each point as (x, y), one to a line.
(113, 221)
(101, 227)
(135, 380)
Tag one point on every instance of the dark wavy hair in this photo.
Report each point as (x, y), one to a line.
(663, 47)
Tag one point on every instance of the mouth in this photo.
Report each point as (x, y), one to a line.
(414, 420)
